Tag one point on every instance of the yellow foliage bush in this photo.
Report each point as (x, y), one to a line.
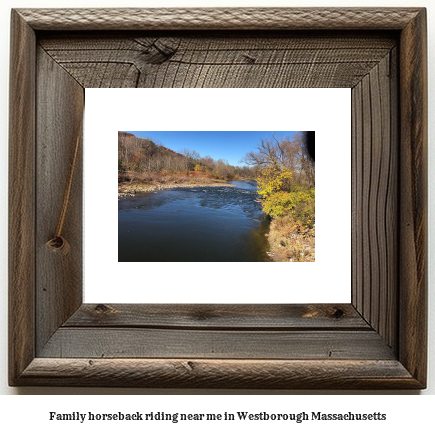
(272, 179)
(300, 204)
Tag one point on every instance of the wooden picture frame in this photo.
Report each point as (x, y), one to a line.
(377, 341)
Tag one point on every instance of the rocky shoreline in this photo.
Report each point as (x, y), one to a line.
(130, 190)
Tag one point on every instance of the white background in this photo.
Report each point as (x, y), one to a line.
(408, 412)
(326, 111)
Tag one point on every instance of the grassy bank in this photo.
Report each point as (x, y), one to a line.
(292, 229)
(290, 242)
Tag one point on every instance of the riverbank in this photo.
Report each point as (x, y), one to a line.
(193, 225)
(130, 189)
(290, 242)
(288, 239)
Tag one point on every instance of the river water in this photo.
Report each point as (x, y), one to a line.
(224, 224)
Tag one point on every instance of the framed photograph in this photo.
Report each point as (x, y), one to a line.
(214, 229)
(58, 338)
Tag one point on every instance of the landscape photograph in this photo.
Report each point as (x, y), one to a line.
(216, 196)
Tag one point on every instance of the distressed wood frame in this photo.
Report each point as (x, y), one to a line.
(377, 341)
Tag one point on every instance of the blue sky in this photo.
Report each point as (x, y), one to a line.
(228, 145)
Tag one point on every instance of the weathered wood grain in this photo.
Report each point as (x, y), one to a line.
(21, 197)
(382, 346)
(249, 374)
(220, 18)
(220, 317)
(126, 342)
(357, 199)
(60, 105)
(375, 198)
(389, 200)
(236, 60)
(413, 198)
(391, 299)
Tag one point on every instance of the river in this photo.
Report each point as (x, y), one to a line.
(201, 224)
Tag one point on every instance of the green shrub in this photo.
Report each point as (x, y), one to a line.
(299, 204)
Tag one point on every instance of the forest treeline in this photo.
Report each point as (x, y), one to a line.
(144, 160)
(286, 184)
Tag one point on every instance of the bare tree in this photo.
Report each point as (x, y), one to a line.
(283, 152)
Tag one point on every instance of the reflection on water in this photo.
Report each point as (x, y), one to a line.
(193, 224)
